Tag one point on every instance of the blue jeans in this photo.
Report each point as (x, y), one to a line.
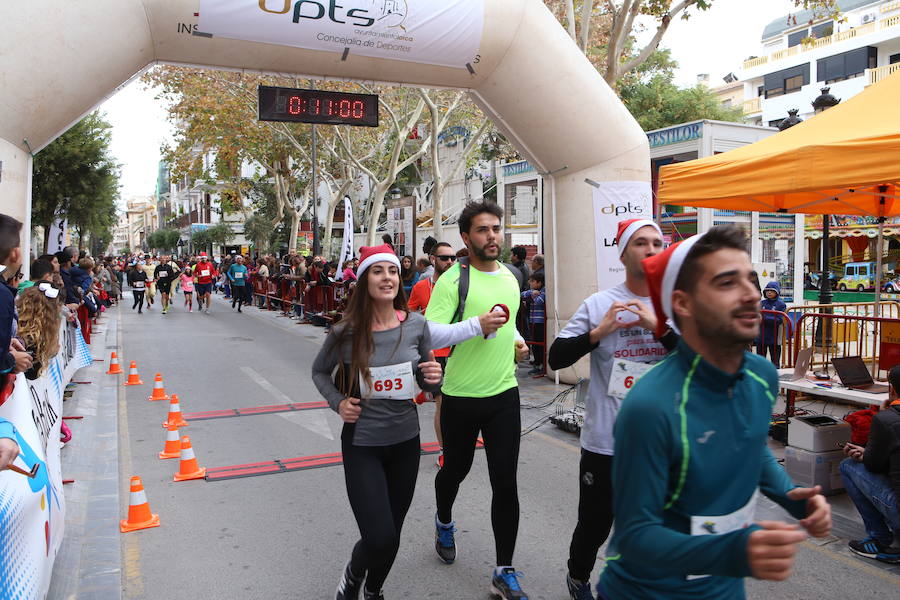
(874, 499)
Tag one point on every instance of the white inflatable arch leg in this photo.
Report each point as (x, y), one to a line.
(60, 59)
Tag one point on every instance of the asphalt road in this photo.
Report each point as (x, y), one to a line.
(288, 535)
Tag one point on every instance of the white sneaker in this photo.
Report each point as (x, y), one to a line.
(206, 311)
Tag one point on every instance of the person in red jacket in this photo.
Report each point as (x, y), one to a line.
(205, 272)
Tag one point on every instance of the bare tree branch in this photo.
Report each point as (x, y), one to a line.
(587, 9)
(651, 47)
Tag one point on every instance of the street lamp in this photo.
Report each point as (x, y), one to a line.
(791, 120)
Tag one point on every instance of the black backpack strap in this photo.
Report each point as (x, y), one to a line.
(463, 288)
(520, 277)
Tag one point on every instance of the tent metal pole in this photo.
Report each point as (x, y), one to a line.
(879, 249)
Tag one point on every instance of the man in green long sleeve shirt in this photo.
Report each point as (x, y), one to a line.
(690, 442)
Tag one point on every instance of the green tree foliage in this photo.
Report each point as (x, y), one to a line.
(259, 230)
(220, 234)
(655, 101)
(74, 176)
(164, 239)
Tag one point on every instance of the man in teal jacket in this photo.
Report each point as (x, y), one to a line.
(690, 442)
(237, 276)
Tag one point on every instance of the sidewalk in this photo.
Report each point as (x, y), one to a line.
(89, 563)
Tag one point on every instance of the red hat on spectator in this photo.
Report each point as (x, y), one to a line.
(627, 229)
(662, 273)
(369, 255)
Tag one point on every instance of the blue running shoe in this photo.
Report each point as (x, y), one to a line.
(444, 542)
(506, 585)
(869, 547)
(889, 555)
(579, 590)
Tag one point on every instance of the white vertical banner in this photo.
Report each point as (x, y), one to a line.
(616, 201)
(347, 245)
(57, 239)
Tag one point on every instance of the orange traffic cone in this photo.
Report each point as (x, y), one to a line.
(172, 448)
(159, 392)
(114, 368)
(139, 515)
(133, 377)
(188, 469)
(175, 419)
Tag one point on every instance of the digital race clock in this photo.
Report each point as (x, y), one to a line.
(316, 106)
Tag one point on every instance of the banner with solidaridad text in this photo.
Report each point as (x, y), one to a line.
(616, 201)
(437, 32)
(33, 510)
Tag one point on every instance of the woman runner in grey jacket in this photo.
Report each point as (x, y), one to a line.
(380, 353)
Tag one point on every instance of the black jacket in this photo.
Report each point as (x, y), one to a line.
(883, 450)
(7, 316)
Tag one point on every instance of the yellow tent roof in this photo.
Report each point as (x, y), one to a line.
(833, 163)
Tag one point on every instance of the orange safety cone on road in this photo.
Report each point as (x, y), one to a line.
(188, 468)
(172, 449)
(133, 377)
(175, 419)
(139, 515)
(159, 392)
(114, 367)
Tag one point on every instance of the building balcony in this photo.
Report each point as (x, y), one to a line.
(841, 36)
(879, 73)
(752, 106)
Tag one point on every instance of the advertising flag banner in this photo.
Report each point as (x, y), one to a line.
(437, 32)
(57, 237)
(32, 509)
(347, 245)
(616, 201)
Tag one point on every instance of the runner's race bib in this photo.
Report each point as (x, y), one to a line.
(722, 524)
(239, 275)
(163, 274)
(204, 273)
(138, 285)
(392, 382)
(624, 374)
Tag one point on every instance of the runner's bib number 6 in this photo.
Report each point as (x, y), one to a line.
(624, 374)
(393, 382)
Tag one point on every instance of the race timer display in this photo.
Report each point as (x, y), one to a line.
(315, 106)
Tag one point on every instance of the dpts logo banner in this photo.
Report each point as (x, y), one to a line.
(32, 511)
(437, 32)
(616, 201)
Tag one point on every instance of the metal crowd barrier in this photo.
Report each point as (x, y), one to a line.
(875, 339)
(325, 301)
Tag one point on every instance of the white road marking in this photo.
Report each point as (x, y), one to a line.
(313, 420)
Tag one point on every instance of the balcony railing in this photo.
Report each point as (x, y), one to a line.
(890, 6)
(826, 41)
(877, 74)
(752, 106)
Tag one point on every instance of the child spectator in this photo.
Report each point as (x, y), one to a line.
(769, 331)
(535, 299)
(39, 320)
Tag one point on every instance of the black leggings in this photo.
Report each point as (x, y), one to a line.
(380, 481)
(498, 420)
(138, 299)
(595, 513)
(237, 295)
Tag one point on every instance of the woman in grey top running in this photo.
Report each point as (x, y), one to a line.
(380, 354)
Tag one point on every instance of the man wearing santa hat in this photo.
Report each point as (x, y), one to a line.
(615, 326)
(690, 441)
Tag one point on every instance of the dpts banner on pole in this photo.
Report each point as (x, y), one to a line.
(347, 244)
(33, 511)
(616, 201)
(57, 237)
(437, 32)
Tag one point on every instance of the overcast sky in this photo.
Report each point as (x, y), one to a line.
(713, 42)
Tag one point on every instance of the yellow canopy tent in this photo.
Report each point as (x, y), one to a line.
(844, 161)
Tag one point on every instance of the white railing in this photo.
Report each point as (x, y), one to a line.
(876, 75)
(842, 36)
(889, 6)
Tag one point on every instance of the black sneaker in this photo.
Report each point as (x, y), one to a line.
(349, 586)
(579, 590)
(367, 595)
(444, 541)
(889, 555)
(506, 585)
(869, 547)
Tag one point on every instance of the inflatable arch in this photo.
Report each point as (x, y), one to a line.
(60, 59)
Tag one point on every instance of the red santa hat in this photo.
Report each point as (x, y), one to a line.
(203, 254)
(627, 229)
(369, 255)
(662, 273)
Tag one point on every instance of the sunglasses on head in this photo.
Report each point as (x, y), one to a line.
(450, 257)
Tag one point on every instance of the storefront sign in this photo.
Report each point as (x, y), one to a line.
(517, 168)
(33, 510)
(616, 201)
(675, 135)
(437, 32)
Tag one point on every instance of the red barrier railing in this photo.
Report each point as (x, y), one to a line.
(325, 301)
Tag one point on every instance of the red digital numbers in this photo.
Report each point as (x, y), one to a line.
(346, 109)
(386, 385)
(296, 105)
